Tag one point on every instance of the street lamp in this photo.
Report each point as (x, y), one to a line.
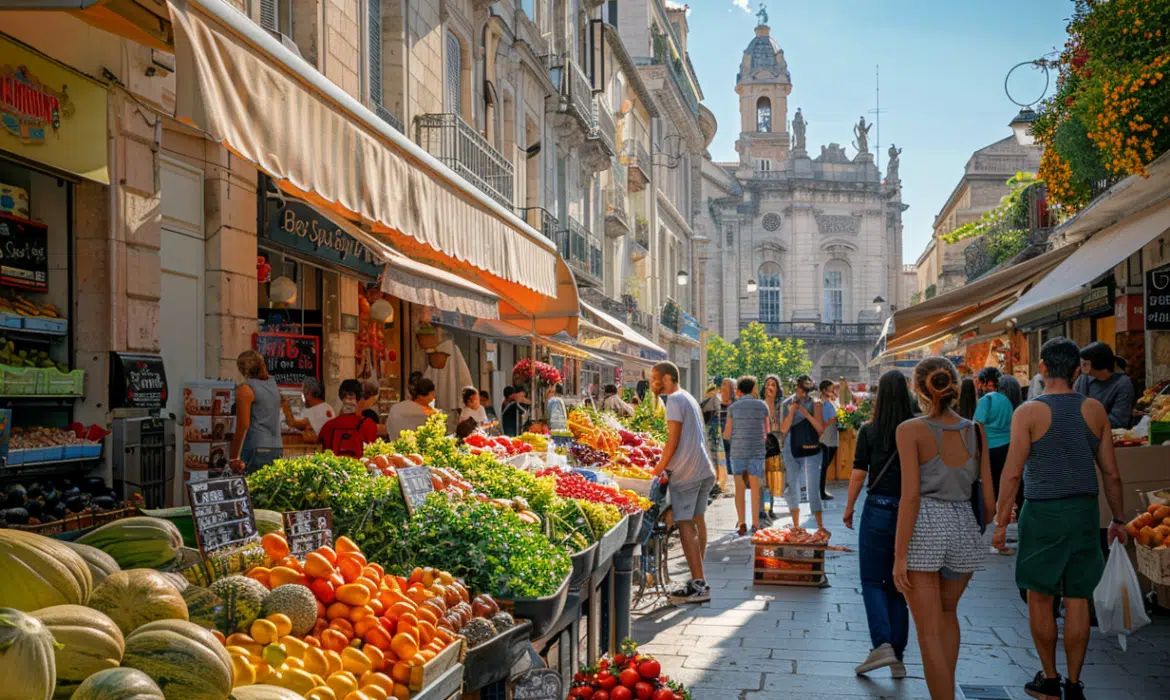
(752, 286)
(877, 302)
(683, 278)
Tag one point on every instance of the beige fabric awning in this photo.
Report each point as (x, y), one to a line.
(621, 330)
(427, 286)
(267, 105)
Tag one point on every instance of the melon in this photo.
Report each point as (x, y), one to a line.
(138, 596)
(177, 580)
(205, 608)
(119, 684)
(268, 521)
(242, 598)
(39, 572)
(28, 668)
(87, 642)
(184, 659)
(295, 601)
(265, 692)
(100, 564)
(141, 542)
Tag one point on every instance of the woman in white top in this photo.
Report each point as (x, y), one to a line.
(555, 409)
(472, 407)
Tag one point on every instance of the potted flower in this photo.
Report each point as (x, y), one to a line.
(438, 360)
(427, 336)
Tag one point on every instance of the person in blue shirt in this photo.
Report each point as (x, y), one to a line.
(994, 412)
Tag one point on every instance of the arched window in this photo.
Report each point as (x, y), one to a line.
(764, 115)
(836, 291)
(454, 74)
(771, 296)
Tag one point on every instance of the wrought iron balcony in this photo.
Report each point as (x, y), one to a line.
(636, 158)
(664, 55)
(617, 220)
(1001, 243)
(816, 330)
(461, 148)
(604, 129)
(642, 321)
(540, 219)
(576, 90)
(582, 251)
(387, 117)
(606, 303)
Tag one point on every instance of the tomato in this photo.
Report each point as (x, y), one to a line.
(601, 695)
(650, 669)
(663, 694)
(607, 680)
(629, 677)
(643, 690)
(621, 693)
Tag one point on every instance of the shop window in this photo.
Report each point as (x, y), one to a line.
(302, 315)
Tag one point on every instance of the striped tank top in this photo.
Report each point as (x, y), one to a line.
(1062, 463)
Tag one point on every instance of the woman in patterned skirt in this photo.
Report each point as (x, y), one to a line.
(939, 542)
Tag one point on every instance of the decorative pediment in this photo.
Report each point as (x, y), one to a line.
(833, 153)
(837, 223)
(838, 244)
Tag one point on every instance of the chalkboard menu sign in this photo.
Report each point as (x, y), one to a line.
(223, 513)
(538, 684)
(137, 381)
(291, 359)
(1158, 299)
(308, 530)
(416, 484)
(24, 253)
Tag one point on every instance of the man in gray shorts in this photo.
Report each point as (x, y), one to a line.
(691, 477)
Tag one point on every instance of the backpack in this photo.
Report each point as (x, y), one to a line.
(347, 441)
(804, 439)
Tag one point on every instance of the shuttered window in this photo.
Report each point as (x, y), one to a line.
(276, 16)
(374, 39)
(268, 14)
(454, 74)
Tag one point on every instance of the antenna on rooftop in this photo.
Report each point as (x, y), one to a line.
(878, 111)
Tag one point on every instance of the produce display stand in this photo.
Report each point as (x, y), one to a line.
(1142, 469)
(792, 565)
(583, 565)
(492, 661)
(610, 543)
(447, 686)
(542, 612)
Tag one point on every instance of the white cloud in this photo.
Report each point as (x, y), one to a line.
(743, 5)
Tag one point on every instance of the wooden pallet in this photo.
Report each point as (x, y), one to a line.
(788, 565)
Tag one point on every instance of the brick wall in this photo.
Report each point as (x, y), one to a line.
(343, 44)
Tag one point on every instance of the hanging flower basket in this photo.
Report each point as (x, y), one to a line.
(527, 370)
(427, 336)
(438, 360)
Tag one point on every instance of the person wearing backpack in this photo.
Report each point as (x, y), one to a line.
(801, 425)
(348, 434)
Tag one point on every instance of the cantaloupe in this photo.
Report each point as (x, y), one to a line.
(100, 564)
(37, 572)
(138, 596)
(295, 601)
(185, 660)
(119, 684)
(28, 668)
(87, 642)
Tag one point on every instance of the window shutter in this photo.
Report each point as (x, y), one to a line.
(374, 27)
(268, 15)
(454, 74)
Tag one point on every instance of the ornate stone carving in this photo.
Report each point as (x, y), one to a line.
(798, 131)
(833, 153)
(837, 223)
(861, 131)
(771, 221)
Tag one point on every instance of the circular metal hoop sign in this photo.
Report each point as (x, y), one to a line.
(1035, 64)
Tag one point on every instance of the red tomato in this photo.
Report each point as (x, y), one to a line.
(650, 669)
(643, 690)
(607, 680)
(601, 695)
(621, 693)
(663, 694)
(629, 677)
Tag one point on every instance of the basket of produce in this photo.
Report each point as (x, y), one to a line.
(583, 563)
(634, 528)
(491, 661)
(611, 542)
(543, 612)
(628, 674)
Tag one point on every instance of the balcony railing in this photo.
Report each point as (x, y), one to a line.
(816, 330)
(461, 148)
(642, 321)
(636, 158)
(576, 90)
(581, 250)
(540, 219)
(388, 117)
(1012, 235)
(617, 220)
(663, 55)
(603, 125)
(607, 304)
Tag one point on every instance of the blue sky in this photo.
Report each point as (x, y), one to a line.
(943, 64)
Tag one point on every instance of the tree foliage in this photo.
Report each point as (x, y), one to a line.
(755, 353)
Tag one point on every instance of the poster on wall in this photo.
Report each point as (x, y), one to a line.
(208, 424)
(24, 254)
(1158, 299)
(290, 358)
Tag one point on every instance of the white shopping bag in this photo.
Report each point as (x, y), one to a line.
(1118, 597)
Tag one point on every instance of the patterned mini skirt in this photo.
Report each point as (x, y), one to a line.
(946, 536)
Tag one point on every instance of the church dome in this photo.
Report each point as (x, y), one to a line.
(763, 60)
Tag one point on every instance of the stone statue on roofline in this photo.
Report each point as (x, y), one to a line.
(861, 131)
(798, 131)
(892, 166)
(763, 15)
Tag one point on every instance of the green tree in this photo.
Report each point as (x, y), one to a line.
(757, 354)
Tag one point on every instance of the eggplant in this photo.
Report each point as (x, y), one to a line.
(51, 498)
(71, 492)
(16, 496)
(105, 503)
(75, 504)
(15, 516)
(34, 508)
(59, 511)
(95, 485)
(35, 490)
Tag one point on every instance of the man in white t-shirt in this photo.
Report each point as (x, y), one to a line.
(691, 476)
(317, 411)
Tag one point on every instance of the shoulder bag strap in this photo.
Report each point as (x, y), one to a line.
(882, 473)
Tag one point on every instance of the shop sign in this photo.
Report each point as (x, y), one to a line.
(1129, 313)
(52, 115)
(1091, 303)
(24, 254)
(300, 227)
(1158, 299)
(137, 381)
(290, 358)
(690, 326)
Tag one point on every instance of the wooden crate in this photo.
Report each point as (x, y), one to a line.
(1154, 564)
(787, 565)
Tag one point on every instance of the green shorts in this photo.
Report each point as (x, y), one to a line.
(1060, 547)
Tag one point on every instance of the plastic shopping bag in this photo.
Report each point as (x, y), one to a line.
(1118, 597)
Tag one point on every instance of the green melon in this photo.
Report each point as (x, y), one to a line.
(297, 602)
(177, 580)
(205, 608)
(183, 658)
(140, 542)
(138, 596)
(268, 521)
(243, 598)
(87, 642)
(264, 692)
(100, 564)
(119, 684)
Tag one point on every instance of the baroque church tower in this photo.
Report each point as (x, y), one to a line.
(811, 247)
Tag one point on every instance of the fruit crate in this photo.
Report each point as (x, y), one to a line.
(20, 381)
(1154, 564)
(8, 320)
(57, 383)
(47, 325)
(789, 565)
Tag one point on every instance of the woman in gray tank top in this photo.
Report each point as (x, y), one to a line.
(939, 544)
(257, 441)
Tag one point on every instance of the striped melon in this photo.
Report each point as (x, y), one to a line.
(119, 684)
(87, 642)
(100, 564)
(264, 692)
(177, 580)
(138, 543)
(184, 659)
(138, 596)
(242, 598)
(38, 572)
(268, 521)
(28, 669)
(205, 608)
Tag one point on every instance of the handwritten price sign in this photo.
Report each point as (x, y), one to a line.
(308, 530)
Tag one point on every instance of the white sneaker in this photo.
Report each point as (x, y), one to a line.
(898, 671)
(881, 657)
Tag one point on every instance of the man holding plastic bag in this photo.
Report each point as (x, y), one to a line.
(1058, 440)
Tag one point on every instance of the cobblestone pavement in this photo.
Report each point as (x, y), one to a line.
(766, 642)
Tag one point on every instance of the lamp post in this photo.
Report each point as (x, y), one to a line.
(877, 305)
(752, 286)
(683, 278)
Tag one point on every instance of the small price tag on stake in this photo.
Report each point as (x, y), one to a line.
(415, 483)
(308, 530)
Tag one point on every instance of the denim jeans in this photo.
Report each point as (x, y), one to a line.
(885, 608)
(802, 471)
(256, 458)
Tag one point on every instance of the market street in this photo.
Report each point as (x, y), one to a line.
(768, 642)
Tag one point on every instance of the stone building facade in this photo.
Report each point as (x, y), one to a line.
(807, 244)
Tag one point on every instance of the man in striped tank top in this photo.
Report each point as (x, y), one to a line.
(1058, 441)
